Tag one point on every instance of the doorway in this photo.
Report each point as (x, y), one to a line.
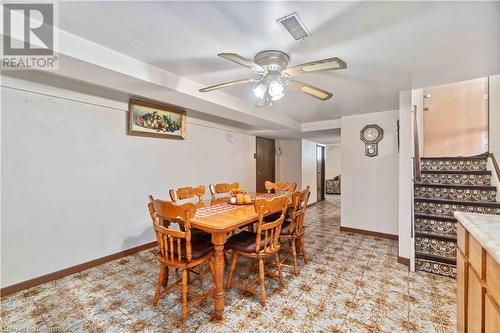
(320, 172)
(456, 119)
(265, 162)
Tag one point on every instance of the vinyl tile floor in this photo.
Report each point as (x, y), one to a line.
(351, 283)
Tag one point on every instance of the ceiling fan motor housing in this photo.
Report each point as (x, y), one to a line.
(272, 60)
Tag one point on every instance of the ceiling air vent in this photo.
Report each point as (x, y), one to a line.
(294, 26)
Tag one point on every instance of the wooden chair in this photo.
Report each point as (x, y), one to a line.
(187, 193)
(178, 250)
(293, 231)
(259, 245)
(222, 188)
(280, 187)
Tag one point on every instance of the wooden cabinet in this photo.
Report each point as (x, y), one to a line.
(491, 316)
(462, 271)
(478, 287)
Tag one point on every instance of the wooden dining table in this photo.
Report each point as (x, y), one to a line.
(219, 218)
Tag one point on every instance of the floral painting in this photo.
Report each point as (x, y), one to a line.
(156, 120)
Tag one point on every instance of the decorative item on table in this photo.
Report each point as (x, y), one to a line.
(156, 120)
(240, 197)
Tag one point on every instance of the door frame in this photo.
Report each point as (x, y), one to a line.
(273, 158)
(321, 170)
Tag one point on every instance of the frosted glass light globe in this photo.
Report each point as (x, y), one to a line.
(260, 90)
(275, 88)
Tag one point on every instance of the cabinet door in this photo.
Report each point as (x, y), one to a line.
(462, 267)
(475, 303)
(491, 316)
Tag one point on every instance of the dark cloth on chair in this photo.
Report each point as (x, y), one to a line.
(245, 241)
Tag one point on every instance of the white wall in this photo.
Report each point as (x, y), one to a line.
(297, 163)
(333, 161)
(75, 186)
(370, 184)
(494, 115)
(406, 170)
(289, 161)
(309, 168)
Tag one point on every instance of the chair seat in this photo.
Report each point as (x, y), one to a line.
(200, 234)
(275, 216)
(244, 241)
(285, 229)
(199, 247)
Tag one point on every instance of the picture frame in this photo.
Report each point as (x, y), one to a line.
(151, 119)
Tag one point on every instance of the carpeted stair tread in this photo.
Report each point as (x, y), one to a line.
(435, 217)
(457, 172)
(457, 186)
(460, 202)
(432, 257)
(436, 236)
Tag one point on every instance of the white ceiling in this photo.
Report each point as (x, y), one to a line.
(388, 47)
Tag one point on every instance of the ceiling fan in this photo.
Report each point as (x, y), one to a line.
(272, 73)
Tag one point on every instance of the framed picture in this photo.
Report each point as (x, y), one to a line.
(156, 120)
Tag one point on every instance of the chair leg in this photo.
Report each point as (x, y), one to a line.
(165, 279)
(262, 286)
(303, 250)
(184, 293)
(278, 266)
(295, 260)
(231, 270)
(161, 277)
(201, 274)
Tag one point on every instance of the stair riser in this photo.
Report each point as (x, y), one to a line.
(435, 267)
(459, 179)
(441, 248)
(454, 165)
(445, 228)
(455, 194)
(445, 209)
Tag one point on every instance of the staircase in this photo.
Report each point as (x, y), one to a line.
(448, 184)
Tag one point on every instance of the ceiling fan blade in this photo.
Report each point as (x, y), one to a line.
(227, 84)
(315, 66)
(309, 90)
(243, 61)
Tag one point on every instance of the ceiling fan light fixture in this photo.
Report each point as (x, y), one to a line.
(275, 88)
(260, 90)
(277, 97)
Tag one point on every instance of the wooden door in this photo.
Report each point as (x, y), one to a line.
(265, 167)
(456, 119)
(320, 172)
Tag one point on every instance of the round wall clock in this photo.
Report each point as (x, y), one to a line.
(371, 135)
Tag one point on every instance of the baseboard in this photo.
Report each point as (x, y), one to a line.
(369, 233)
(71, 270)
(404, 261)
(312, 204)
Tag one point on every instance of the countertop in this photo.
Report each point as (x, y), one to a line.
(485, 229)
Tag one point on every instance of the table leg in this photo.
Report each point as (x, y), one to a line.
(219, 239)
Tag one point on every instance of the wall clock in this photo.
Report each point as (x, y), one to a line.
(371, 136)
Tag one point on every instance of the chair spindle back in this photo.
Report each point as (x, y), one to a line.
(269, 232)
(172, 244)
(280, 187)
(187, 193)
(300, 200)
(222, 188)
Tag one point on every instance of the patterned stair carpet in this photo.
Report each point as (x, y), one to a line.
(448, 185)
(351, 284)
